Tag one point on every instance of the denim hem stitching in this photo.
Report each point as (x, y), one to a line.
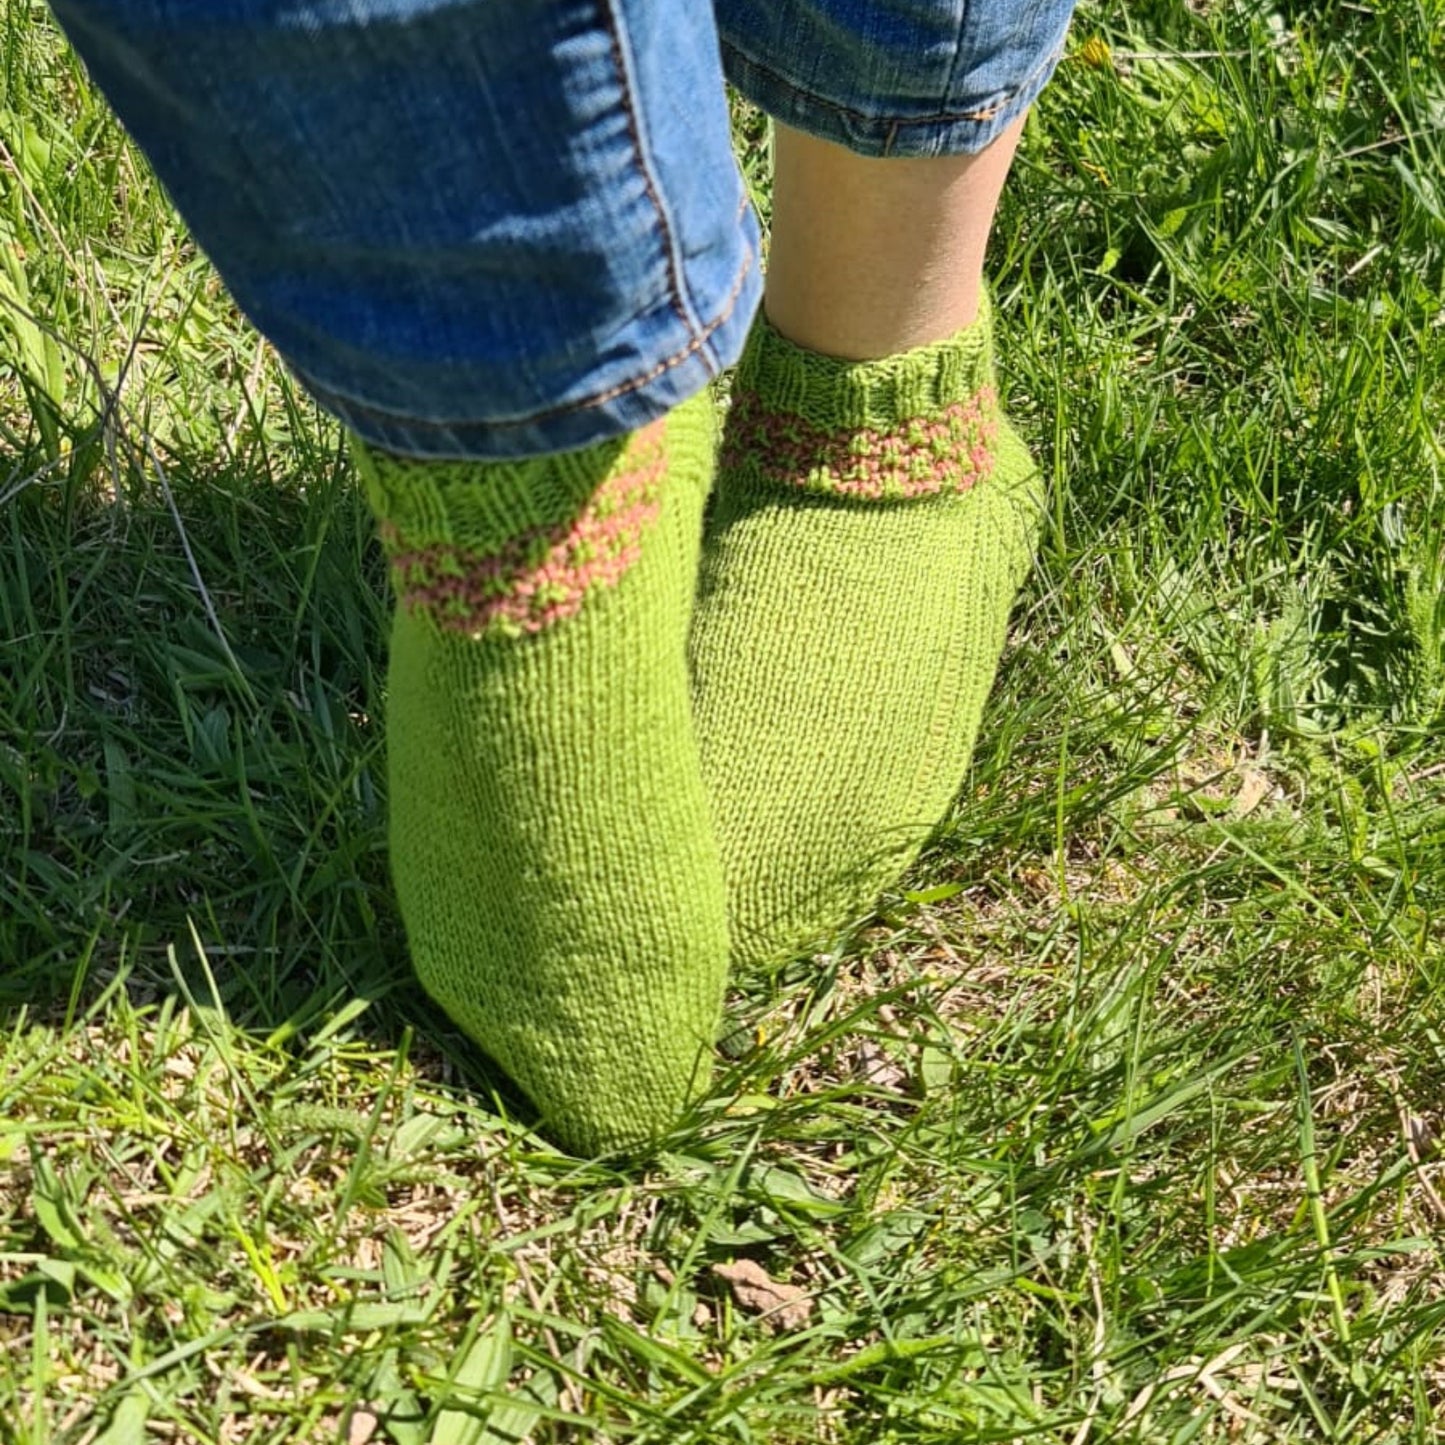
(893, 123)
(700, 339)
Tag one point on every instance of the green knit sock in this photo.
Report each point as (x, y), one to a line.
(872, 524)
(550, 838)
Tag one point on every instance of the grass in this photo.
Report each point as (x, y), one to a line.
(1122, 1122)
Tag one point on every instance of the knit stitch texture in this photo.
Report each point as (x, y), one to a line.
(550, 839)
(872, 524)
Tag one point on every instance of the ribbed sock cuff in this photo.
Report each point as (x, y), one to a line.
(485, 504)
(917, 424)
(508, 548)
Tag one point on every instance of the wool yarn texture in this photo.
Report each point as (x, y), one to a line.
(550, 836)
(871, 526)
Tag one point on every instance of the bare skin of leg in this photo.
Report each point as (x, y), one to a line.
(870, 257)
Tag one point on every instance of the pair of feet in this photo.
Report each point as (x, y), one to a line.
(625, 748)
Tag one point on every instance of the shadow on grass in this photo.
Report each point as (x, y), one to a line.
(191, 759)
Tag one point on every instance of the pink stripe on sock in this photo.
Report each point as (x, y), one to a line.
(543, 575)
(949, 451)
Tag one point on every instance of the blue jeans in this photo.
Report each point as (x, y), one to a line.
(502, 228)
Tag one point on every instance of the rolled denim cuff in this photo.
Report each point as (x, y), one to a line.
(886, 78)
